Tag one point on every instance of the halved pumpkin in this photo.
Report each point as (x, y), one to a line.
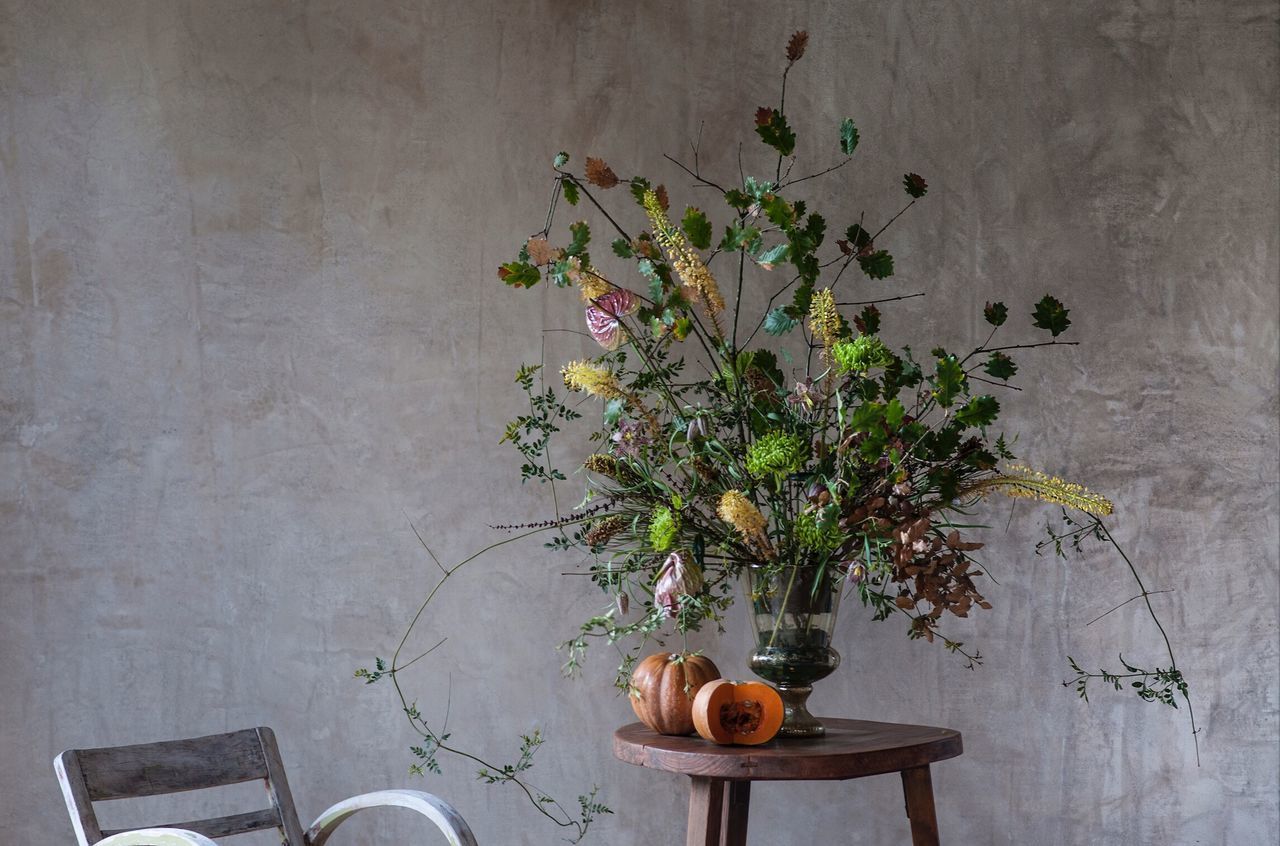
(663, 687)
(730, 712)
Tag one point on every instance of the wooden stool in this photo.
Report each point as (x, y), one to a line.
(850, 749)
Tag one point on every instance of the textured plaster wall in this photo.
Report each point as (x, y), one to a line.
(250, 325)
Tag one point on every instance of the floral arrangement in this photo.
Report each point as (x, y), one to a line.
(722, 444)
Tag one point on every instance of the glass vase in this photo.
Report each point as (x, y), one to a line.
(793, 614)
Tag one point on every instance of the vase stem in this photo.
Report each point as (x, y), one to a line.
(796, 719)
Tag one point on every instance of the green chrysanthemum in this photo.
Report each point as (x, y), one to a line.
(663, 528)
(776, 452)
(861, 354)
(811, 534)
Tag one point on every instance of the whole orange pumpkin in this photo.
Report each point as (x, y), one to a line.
(663, 687)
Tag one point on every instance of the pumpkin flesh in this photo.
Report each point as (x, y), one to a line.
(745, 713)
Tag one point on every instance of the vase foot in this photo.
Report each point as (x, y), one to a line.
(797, 722)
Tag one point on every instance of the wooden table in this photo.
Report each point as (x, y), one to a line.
(850, 749)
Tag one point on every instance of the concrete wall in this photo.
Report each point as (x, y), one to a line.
(251, 327)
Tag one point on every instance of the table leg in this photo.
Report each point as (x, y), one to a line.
(917, 787)
(737, 807)
(706, 810)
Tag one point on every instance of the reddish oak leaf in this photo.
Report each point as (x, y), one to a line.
(540, 251)
(599, 173)
(764, 114)
(795, 47)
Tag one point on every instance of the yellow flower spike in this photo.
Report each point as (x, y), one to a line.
(824, 320)
(700, 286)
(591, 285)
(594, 379)
(736, 510)
(1025, 483)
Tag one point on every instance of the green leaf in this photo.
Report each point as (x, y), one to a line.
(894, 413)
(737, 236)
(772, 256)
(1051, 315)
(561, 159)
(622, 248)
(877, 265)
(979, 411)
(738, 199)
(570, 192)
(638, 186)
(866, 416)
(996, 313)
(848, 136)
(771, 126)
(778, 322)
(779, 211)
(581, 237)
(519, 274)
(801, 300)
(613, 410)
(1000, 366)
(857, 237)
(949, 380)
(697, 227)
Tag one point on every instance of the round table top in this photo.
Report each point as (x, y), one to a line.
(850, 749)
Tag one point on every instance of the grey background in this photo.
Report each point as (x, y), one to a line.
(251, 328)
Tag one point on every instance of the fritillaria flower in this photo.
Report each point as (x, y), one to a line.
(802, 396)
(630, 439)
(676, 579)
(604, 317)
(697, 428)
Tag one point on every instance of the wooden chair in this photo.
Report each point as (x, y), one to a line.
(150, 769)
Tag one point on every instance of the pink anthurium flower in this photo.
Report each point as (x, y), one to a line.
(604, 316)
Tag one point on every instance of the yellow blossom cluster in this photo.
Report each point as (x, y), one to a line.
(1025, 483)
(700, 286)
(824, 320)
(738, 511)
(594, 379)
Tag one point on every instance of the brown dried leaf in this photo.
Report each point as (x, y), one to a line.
(600, 174)
(764, 114)
(795, 47)
(540, 251)
(661, 193)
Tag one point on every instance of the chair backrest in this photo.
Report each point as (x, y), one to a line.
(150, 769)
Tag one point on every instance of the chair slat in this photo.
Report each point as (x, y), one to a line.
(149, 769)
(223, 826)
(278, 787)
